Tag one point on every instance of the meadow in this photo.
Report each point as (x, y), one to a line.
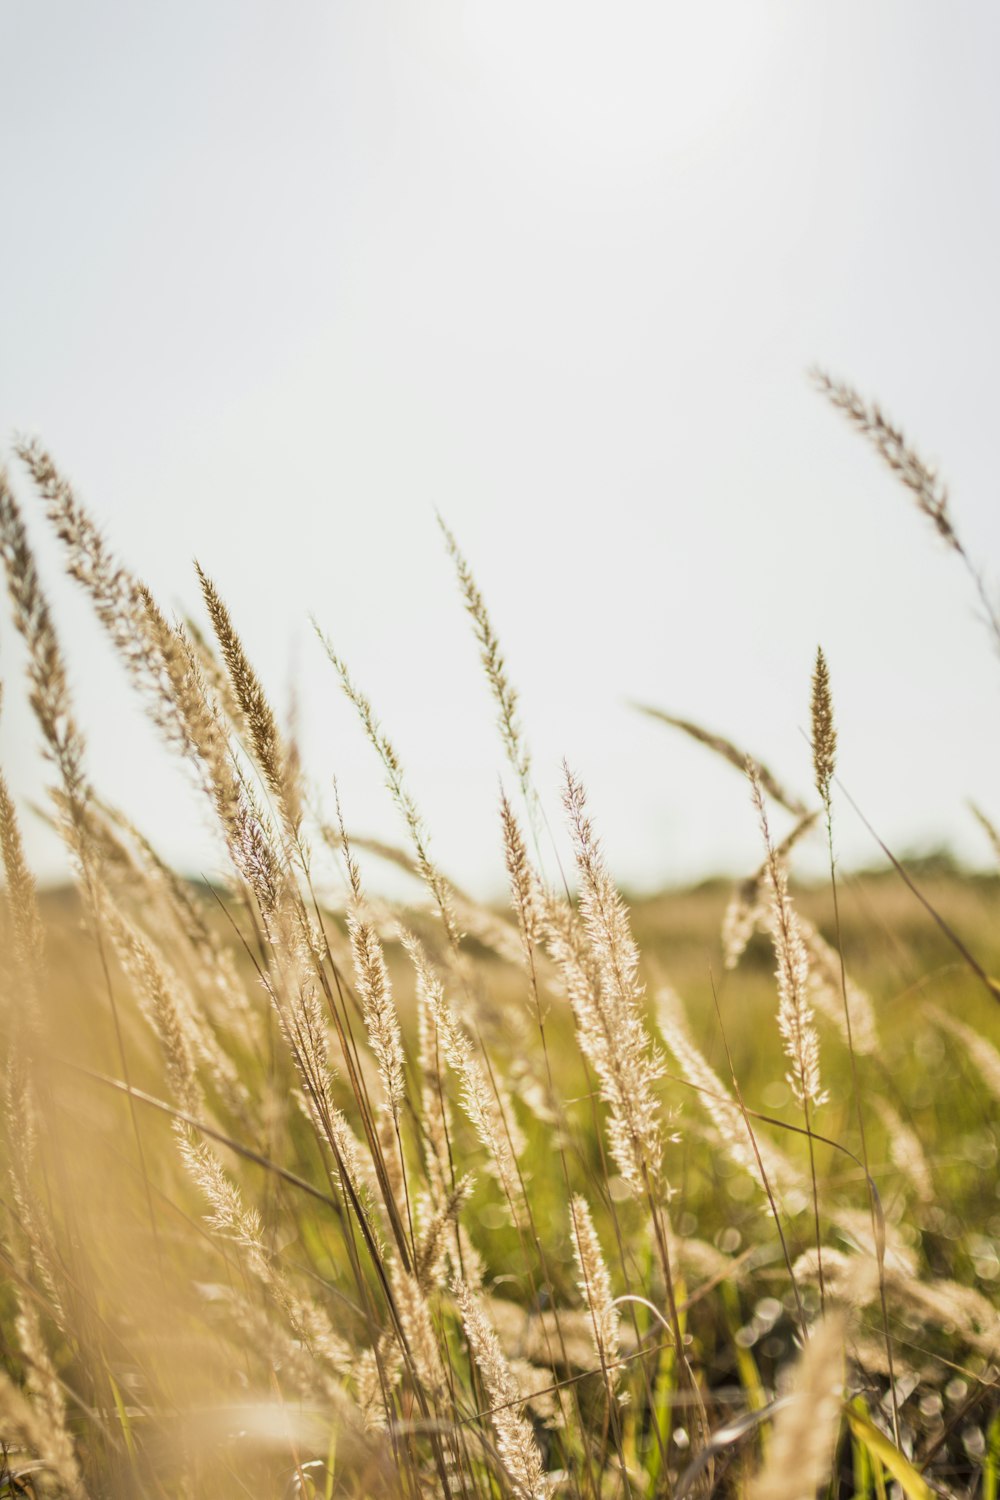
(310, 1192)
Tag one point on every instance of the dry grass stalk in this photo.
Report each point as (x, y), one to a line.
(731, 753)
(22, 905)
(495, 668)
(216, 677)
(33, 1246)
(34, 1222)
(855, 1015)
(905, 1151)
(64, 746)
(376, 1375)
(157, 658)
(44, 1386)
(231, 1218)
(718, 1103)
(435, 1114)
(983, 1054)
(26, 1029)
(795, 1017)
(606, 995)
(515, 1440)
(473, 918)
(185, 1034)
(429, 872)
(594, 1282)
(989, 828)
(435, 1229)
(258, 1325)
(800, 1454)
(745, 911)
(522, 881)
(921, 479)
(162, 896)
(796, 1021)
(266, 740)
(20, 1419)
(49, 690)
(836, 996)
(824, 734)
(493, 1123)
(374, 989)
(34, 1241)
(420, 1333)
(165, 1010)
(747, 906)
(855, 1280)
(164, 666)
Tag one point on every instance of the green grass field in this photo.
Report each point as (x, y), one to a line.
(160, 1291)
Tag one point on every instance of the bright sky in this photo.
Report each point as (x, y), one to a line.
(280, 280)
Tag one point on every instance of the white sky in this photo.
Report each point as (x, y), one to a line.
(280, 280)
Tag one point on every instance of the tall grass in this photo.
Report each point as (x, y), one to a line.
(313, 1193)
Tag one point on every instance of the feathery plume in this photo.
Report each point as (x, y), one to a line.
(162, 1005)
(495, 667)
(304, 1367)
(216, 677)
(49, 690)
(374, 988)
(155, 888)
(376, 1374)
(418, 1328)
(523, 884)
(928, 489)
(231, 1217)
(989, 828)
(435, 1115)
(730, 752)
(22, 903)
(795, 1016)
(921, 479)
(186, 1038)
(824, 734)
(429, 872)
(20, 1417)
(594, 1282)
(266, 739)
(18, 1109)
(905, 1150)
(800, 1454)
(432, 1242)
(515, 1440)
(745, 912)
(982, 1052)
(747, 905)
(162, 664)
(153, 654)
(495, 1126)
(605, 992)
(826, 991)
(43, 1385)
(716, 1100)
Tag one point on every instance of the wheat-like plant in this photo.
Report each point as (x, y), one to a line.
(311, 1192)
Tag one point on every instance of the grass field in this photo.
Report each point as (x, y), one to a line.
(312, 1193)
(164, 1300)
